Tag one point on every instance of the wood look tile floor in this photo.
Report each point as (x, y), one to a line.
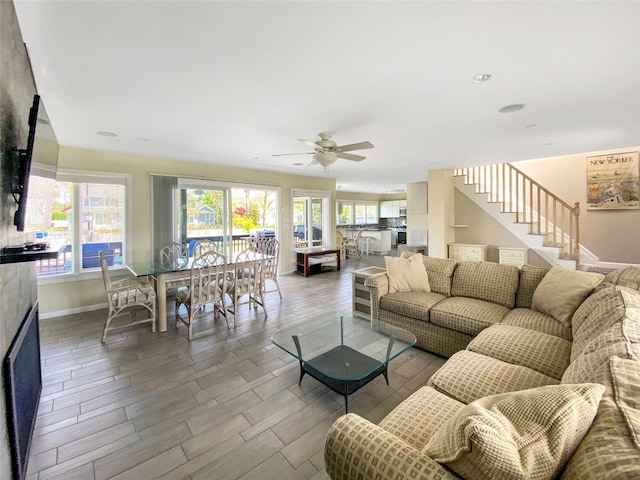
(226, 405)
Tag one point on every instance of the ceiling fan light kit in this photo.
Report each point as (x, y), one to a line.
(326, 151)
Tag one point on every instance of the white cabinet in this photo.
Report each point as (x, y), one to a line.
(391, 208)
(513, 256)
(417, 198)
(464, 251)
(361, 299)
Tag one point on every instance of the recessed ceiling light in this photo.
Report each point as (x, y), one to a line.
(480, 77)
(511, 108)
(298, 164)
(533, 125)
(143, 139)
(548, 144)
(107, 134)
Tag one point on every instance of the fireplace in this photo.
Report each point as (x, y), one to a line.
(23, 384)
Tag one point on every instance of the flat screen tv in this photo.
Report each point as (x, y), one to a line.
(33, 183)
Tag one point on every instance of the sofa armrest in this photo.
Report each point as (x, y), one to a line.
(357, 448)
(378, 286)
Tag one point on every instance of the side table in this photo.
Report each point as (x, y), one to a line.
(361, 300)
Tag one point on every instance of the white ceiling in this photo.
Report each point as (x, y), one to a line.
(235, 82)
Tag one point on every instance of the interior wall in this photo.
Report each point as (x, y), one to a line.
(483, 229)
(612, 235)
(17, 281)
(61, 298)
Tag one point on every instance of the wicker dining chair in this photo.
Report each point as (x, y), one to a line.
(271, 251)
(248, 280)
(352, 245)
(203, 246)
(126, 297)
(207, 285)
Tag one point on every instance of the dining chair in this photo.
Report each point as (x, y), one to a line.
(126, 297)
(352, 245)
(341, 244)
(248, 279)
(271, 251)
(207, 285)
(176, 254)
(203, 246)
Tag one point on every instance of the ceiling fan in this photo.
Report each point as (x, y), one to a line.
(326, 151)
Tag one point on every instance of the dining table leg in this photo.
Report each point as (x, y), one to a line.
(161, 298)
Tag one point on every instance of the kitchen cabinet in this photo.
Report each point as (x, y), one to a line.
(464, 251)
(391, 208)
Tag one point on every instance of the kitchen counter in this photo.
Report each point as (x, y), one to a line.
(380, 238)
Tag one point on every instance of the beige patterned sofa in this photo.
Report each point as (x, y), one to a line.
(542, 385)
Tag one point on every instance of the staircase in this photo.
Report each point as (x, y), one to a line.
(544, 222)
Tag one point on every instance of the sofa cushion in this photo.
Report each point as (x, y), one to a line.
(488, 281)
(407, 274)
(529, 434)
(561, 292)
(418, 417)
(440, 272)
(538, 351)
(538, 321)
(467, 315)
(411, 304)
(487, 376)
(530, 277)
(610, 449)
(604, 308)
(625, 277)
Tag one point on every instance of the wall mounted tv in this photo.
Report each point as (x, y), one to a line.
(34, 173)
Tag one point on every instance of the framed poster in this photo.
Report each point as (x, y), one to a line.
(613, 182)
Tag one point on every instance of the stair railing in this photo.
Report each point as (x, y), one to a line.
(545, 213)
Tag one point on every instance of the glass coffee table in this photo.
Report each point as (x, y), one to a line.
(344, 352)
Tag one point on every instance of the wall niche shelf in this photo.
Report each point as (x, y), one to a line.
(29, 255)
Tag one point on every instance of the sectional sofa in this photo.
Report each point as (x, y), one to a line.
(542, 380)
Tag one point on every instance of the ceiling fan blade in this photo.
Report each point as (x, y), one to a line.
(283, 154)
(313, 162)
(309, 143)
(351, 156)
(356, 146)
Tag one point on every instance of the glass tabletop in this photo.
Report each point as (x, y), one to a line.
(343, 347)
(143, 269)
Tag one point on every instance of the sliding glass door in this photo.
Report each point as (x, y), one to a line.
(230, 215)
(310, 218)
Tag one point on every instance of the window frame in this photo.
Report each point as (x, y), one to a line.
(354, 205)
(77, 177)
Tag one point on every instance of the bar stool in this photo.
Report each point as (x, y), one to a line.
(365, 245)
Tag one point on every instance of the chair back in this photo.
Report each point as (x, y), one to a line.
(249, 272)
(105, 272)
(204, 246)
(208, 281)
(271, 252)
(174, 254)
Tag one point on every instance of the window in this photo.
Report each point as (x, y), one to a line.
(356, 212)
(89, 216)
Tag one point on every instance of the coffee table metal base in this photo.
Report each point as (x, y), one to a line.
(344, 355)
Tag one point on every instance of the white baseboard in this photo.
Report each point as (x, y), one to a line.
(71, 311)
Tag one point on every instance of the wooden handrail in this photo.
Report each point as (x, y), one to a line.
(546, 213)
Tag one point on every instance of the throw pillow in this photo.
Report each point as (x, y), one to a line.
(561, 292)
(407, 274)
(529, 434)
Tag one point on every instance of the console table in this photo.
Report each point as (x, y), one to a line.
(316, 260)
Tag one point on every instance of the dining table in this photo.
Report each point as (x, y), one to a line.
(168, 275)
